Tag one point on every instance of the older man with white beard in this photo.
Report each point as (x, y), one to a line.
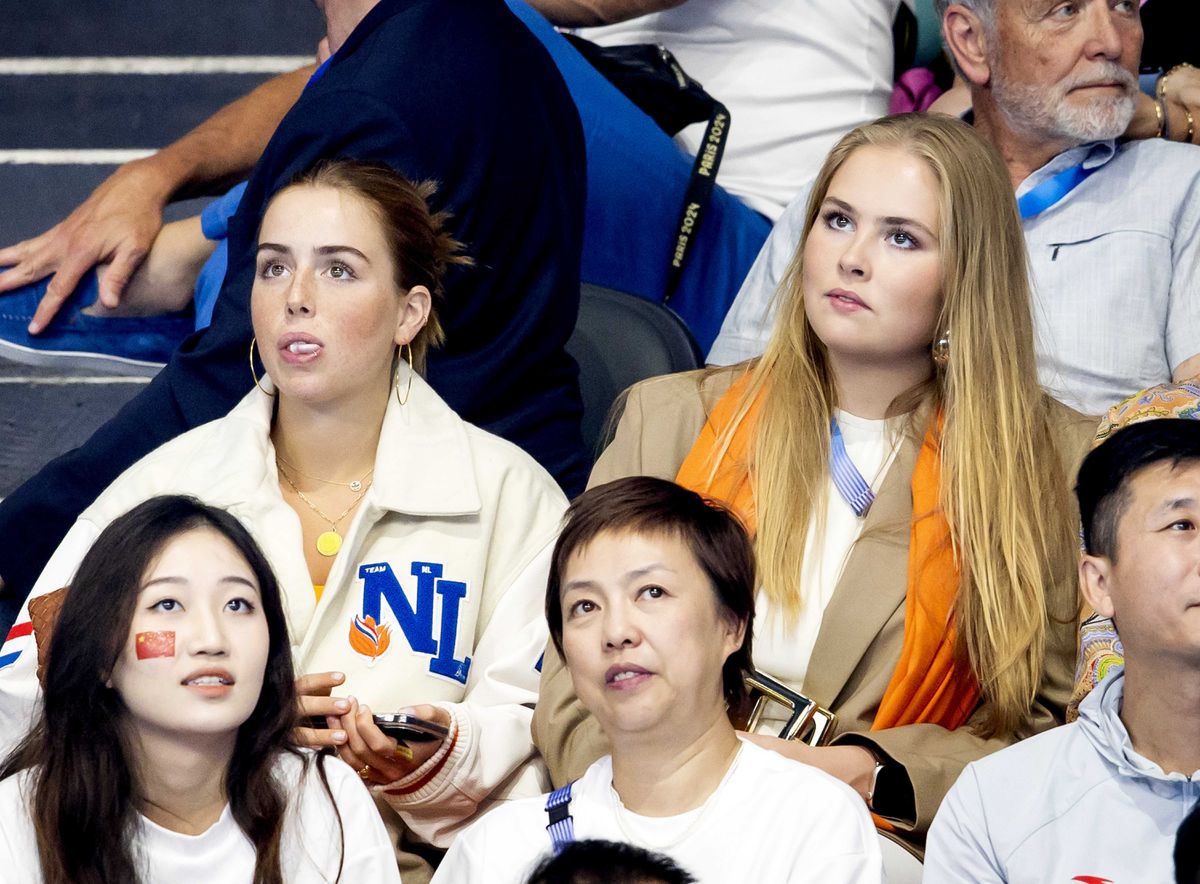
(1113, 229)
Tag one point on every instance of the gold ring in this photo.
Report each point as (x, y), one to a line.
(365, 773)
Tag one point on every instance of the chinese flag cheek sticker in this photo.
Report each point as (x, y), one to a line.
(154, 644)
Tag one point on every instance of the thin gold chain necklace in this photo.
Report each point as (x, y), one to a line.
(354, 485)
(328, 542)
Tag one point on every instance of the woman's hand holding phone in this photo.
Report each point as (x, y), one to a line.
(367, 745)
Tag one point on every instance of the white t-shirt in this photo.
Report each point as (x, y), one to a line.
(770, 820)
(796, 76)
(782, 647)
(223, 854)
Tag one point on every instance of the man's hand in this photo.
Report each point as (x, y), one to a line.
(118, 223)
(115, 225)
(1182, 95)
(378, 758)
(1182, 92)
(955, 101)
(314, 692)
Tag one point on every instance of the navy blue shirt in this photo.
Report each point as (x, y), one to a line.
(456, 91)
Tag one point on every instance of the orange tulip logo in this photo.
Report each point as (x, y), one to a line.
(369, 638)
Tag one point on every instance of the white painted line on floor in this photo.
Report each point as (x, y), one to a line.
(144, 64)
(63, 382)
(40, 157)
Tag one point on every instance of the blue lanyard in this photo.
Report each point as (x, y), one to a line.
(1053, 189)
(846, 477)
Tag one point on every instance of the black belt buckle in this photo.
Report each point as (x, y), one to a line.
(809, 722)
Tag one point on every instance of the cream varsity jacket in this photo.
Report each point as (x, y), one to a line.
(435, 597)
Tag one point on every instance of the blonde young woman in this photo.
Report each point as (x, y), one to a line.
(906, 479)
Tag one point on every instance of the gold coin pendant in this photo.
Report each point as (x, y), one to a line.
(328, 543)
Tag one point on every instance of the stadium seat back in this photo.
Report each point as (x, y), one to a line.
(619, 340)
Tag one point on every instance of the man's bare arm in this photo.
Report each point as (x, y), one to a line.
(587, 13)
(166, 280)
(224, 148)
(118, 222)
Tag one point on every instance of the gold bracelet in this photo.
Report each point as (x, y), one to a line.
(1191, 126)
(1162, 81)
(1160, 116)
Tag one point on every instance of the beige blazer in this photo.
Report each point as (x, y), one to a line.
(862, 628)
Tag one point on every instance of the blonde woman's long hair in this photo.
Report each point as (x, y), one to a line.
(1002, 485)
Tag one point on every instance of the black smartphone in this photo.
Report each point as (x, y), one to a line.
(410, 729)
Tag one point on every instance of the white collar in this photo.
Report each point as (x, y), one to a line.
(423, 465)
(1092, 155)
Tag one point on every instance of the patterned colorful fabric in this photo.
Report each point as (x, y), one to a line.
(1100, 652)
(1163, 401)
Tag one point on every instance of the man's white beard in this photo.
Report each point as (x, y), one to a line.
(1045, 112)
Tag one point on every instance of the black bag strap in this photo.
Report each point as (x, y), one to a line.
(650, 76)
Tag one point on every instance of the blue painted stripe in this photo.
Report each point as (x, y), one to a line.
(9, 658)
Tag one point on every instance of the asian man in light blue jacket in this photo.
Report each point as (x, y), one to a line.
(1101, 799)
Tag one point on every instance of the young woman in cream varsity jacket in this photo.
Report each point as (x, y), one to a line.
(412, 547)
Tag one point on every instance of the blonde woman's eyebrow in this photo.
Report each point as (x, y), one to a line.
(901, 221)
(887, 221)
(841, 204)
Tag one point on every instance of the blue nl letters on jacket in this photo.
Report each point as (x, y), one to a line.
(379, 583)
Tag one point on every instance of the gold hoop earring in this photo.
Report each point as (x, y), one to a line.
(941, 350)
(253, 373)
(396, 380)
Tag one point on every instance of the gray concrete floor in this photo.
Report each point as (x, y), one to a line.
(132, 111)
(46, 413)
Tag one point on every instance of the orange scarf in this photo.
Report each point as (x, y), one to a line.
(930, 684)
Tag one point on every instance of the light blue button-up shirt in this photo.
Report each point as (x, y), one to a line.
(1115, 269)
